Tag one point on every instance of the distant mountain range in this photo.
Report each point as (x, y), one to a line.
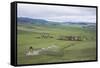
(25, 20)
(30, 20)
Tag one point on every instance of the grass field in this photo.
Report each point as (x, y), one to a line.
(79, 51)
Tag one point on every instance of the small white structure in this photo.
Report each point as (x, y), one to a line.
(40, 51)
(34, 52)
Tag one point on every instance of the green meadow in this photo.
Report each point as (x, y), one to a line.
(31, 35)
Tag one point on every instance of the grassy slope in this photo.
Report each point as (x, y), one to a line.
(82, 50)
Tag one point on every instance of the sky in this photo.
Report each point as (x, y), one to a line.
(57, 13)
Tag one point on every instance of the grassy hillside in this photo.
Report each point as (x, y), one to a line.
(31, 35)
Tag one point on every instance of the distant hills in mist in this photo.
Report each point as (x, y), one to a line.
(26, 20)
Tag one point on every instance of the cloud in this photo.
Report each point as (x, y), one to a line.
(57, 13)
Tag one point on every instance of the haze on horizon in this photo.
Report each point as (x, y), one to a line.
(57, 13)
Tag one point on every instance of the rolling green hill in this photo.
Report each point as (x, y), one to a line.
(43, 36)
